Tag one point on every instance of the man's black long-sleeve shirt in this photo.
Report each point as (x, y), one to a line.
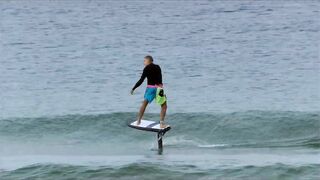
(153, 74)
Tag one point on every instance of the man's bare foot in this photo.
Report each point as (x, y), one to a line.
(163, 125)
(138, 122)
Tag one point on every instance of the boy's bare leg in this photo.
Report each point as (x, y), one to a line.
(141, 112)
(163, 115)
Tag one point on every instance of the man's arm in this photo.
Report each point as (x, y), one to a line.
(160, 79)
(143, 76)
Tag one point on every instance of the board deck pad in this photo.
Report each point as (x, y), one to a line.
(147, 125)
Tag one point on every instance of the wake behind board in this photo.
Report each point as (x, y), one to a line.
(146, 125)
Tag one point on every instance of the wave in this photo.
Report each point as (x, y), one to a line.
(311, 142)
(154, 171)
(240, 129)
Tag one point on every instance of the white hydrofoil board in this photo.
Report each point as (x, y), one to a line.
(146, 125)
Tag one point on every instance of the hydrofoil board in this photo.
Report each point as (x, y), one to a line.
(147, 125)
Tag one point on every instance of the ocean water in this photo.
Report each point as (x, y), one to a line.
(242, 80)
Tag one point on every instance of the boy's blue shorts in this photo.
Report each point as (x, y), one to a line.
(150, 94)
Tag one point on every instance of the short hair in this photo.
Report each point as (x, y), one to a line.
(149, 58)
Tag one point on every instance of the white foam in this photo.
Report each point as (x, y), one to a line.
(212, 145)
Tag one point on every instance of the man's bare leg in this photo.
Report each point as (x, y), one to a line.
(142, 109)
(163, 115)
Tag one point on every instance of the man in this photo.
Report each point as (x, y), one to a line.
(154, 89)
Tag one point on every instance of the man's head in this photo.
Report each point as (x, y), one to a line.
(147, 60)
